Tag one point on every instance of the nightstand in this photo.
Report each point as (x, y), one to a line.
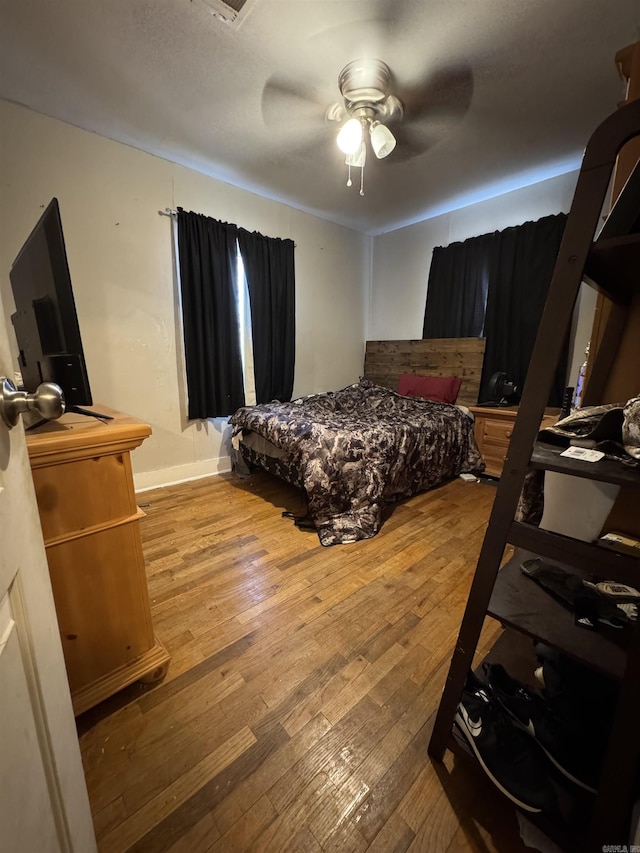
(493, 428)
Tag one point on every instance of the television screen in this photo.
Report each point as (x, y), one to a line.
(45, 321)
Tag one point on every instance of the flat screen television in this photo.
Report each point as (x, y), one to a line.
(45, 320)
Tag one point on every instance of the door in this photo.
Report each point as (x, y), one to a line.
(43, 797)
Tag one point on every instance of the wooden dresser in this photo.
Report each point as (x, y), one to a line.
(493, 433)
(90, 522)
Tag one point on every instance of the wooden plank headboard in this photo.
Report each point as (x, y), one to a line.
(384, 361)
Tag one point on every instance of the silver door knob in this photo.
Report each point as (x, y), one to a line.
(47, 400)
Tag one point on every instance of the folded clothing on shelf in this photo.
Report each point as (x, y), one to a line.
(613, 428)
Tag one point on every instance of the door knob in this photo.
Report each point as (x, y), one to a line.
(47, 400)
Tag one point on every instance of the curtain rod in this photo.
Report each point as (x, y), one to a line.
(168, 211)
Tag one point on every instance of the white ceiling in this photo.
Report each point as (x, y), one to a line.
(510, 90)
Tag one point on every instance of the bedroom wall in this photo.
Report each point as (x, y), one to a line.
(121, 263)
(401, 259)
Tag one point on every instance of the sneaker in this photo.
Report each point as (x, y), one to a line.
(569, 754)
(618, 592)
(507, 755)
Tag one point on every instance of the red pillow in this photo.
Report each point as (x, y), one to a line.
(438, 389)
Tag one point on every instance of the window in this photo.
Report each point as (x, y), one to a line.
(238, 305)
(244, 331)
(496, 286)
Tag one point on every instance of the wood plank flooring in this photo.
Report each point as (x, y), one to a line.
(300, 697)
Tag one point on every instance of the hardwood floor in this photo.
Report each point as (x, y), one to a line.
(300, 697)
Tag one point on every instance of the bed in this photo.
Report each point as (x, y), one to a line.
(360, 449)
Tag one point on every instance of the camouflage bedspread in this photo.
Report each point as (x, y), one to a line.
(361, 448)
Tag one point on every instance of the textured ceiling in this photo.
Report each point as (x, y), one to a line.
(500, 93)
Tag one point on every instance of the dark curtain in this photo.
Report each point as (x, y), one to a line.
(457, 289)
(270, 272)
(522, 263)
(207, 255)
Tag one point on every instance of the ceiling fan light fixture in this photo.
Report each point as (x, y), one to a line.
(350, 136)
(382, 140)
(358, 158)
(364, 86)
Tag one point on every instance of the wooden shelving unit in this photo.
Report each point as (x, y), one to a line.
(611, 265)
(610, 260)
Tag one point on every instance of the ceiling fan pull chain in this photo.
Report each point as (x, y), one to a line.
(349, 181)
(362, 181)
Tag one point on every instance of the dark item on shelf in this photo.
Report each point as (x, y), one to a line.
(575, 689)
(612, 450)
(507, 755)
(566, 588)
(558, 738)
(584, 700)
(613, 429)
(590, 608)
(594, 423)
(567, 399)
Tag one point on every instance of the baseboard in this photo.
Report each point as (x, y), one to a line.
(146, 480)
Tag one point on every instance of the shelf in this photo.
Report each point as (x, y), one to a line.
(590, 559)
(611, 262)
(548, 458)
(612, 266)
(518, 602)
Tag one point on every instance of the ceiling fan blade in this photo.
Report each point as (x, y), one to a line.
(432, 108)
(446, 92)
(358, 40)
(417, 138)
(412, 141)
(291, 105)
(381, 35)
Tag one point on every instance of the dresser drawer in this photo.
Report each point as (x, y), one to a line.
(83, 494)
(493, 431)
(497, 433)
(102, 605)
(494, 462)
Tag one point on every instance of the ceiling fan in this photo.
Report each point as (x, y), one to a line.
(400, 118)
(367, 106)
